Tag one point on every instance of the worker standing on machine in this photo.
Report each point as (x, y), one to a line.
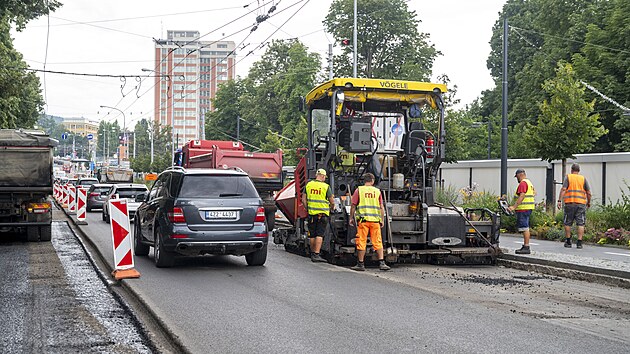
(367, 203)
(318, 201)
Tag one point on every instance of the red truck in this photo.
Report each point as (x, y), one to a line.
(263, 168)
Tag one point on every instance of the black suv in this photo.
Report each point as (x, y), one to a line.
(201, 211)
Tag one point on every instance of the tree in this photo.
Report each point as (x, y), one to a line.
(20, 98)
(389, 44)
(19, 12)
(567, 124)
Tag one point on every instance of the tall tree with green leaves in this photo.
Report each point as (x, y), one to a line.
(389, 43)
(567, 124)
(20, 98)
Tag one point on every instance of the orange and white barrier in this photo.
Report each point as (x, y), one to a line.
(81, 203)
(122, 241)
(72, 199)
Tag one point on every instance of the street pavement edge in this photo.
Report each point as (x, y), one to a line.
(110, 283)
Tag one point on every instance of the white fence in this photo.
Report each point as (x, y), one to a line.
(606, 174)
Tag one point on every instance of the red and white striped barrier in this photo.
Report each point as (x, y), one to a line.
(81, 203)
(72, 199)
(122, 241)
(64, 196)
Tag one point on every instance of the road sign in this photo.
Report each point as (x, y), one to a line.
(64, 136)
(90, 136)
(121, 235)
(150, 177)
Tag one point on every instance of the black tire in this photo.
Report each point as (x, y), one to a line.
(45, 233)
(271, 221)
(88, 209)
(257, 258)
(139, 249)
(32, 233)
(162, 258)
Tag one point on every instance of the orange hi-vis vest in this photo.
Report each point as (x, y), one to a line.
(528, 202)
(575, 193)
(369, 207)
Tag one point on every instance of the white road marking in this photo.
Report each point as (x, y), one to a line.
(531, 243)
(618, 254)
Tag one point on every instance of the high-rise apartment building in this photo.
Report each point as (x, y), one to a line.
(188, 72)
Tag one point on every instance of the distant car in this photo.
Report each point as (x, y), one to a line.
(201, 211)
(87, 181)
(96, 196)
(129, 191)
(72, 181)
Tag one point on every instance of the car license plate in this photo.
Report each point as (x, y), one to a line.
(222, 215)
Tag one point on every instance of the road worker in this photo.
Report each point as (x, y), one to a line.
(368, 213)
(576, 195)
(524, 206)
(318, 201)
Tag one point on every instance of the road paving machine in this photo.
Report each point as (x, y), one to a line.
(356, 126)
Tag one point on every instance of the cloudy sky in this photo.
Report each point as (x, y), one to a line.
(116, 37)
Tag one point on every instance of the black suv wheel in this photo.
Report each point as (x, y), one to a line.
(163, 258)
(257, 258)
(140, 249)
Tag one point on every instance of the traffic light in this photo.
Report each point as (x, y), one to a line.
(345, 42)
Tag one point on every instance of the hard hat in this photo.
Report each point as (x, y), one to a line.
(321, 171)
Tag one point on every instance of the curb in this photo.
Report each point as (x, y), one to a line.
(175, 340)
(579, 272)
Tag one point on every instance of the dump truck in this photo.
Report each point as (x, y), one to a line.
(381, 126)
(26, 183)
(263, 168)
(115, 174)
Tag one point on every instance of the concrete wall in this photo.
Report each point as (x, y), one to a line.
(605, 172)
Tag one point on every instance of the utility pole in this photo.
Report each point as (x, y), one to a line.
(354, 42)
(330, 61)
(504, 129)
(74, 156)
(134, 143)
(238, 128)
(152, 132)
(104, 144)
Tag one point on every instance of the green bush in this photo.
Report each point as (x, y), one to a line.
(446, 195)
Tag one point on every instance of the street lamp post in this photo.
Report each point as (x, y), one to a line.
(172, 113)
(124, 130)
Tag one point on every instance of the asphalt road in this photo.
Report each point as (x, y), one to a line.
(52, 301)
(218, 304)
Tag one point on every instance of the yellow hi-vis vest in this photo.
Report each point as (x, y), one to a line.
(316, 198)
(528, 203)
(369, 208)
(575, 192)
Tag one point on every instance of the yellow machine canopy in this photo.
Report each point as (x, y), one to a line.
(362, 90)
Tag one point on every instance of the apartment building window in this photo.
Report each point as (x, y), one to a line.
(221, 45)
(191, 69)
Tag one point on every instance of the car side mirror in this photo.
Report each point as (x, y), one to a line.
(141, 197)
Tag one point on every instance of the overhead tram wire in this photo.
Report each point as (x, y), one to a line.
(274, 13)
(271, 35)
(568, 39)
(148, 16)
(155, 68)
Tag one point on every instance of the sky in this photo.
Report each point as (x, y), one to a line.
(116, 37)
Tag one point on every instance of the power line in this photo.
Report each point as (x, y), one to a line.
(149, 16)
(105, 28)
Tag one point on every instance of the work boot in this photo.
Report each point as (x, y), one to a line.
(567, 243)
(579, 244)
(383, 266)
(523, 250)
(315, 257)
(360, 267)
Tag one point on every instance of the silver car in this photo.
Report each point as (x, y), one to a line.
(133, 193)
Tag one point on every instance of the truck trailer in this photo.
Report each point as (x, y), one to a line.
(26, 182)
(263, 168)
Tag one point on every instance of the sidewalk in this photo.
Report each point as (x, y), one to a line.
(608, 261)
